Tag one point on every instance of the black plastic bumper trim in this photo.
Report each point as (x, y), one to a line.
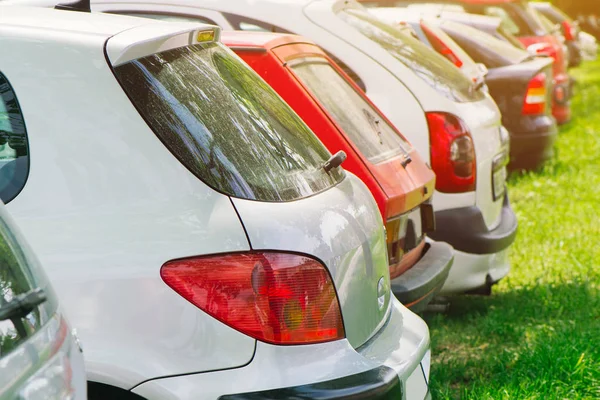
(417, 286)
(465, 230)
(381, 383)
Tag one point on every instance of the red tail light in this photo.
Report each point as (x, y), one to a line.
(536, 96)
(441, 47)
(452, 153)
(569, 30)
(274, 297)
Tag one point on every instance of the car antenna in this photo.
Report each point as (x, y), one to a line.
(74, 5)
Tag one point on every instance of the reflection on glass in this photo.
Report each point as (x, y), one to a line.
(226, 124)
(14, 280)
(373, 136)
(433, 68)
(14, 163)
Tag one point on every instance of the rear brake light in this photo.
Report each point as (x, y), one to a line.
(569, 30)
(395, 229)
(452, 153)
(53, 380)
(278, 298)
(438, 45)
(536, 96)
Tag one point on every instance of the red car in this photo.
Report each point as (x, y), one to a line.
(344, 119)
(520, 19)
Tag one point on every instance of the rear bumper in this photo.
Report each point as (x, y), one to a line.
(392, 364)
(378, 384)
(416, 287)
(465, 230)
(532, 141)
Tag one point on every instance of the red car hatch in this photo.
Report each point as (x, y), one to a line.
(344, 119)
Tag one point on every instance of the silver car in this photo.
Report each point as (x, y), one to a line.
(40, 359)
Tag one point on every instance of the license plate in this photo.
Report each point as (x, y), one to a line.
(499, 183)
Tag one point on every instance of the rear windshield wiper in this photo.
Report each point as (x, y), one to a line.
(22, 304)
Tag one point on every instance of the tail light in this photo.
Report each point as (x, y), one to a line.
(452, 153)
(53, 380)
(278, 298)
(536, 96)
(569, 30)
(438, 45)
(395, 229)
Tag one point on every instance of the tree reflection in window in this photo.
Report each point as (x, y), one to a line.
(226, 124)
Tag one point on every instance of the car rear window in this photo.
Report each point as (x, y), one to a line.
(14, 154)
(483, 47)
(16, 278)
(433, 68)
(364, 126)
(226, 125)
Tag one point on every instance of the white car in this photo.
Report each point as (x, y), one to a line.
(202, 239)
(40, 357)
(589, 46)
(454, 126)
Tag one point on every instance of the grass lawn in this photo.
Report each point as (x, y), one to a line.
(538, 335)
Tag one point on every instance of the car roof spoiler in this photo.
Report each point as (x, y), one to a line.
(74, 5)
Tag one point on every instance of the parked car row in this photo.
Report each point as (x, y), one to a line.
(252, 199)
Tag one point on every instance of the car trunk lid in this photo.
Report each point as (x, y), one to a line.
(342, 227)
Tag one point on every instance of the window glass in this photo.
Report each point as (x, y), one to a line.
(344, 67)
(14, 159)
(484, 48)
(226, 125)
(433, 68)
(166, 17)
(17, 279)
(364, 126)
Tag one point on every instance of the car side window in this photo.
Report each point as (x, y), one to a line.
(344, 67)
(240, 23)
(14, 149)
(166, 17)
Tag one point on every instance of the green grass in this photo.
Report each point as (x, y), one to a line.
(538, 335)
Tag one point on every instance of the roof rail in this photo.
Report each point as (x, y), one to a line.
(74, 5)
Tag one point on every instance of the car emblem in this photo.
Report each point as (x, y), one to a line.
(381, 291)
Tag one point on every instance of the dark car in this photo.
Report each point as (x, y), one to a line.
(569, 29)
(521, 85)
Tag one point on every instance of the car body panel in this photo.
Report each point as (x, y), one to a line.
(99, 259)
(400, 349)
(50, 349)
(346, 237)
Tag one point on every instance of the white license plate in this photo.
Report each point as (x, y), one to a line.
(499, 183)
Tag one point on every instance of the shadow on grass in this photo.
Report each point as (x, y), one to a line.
(542, 339)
